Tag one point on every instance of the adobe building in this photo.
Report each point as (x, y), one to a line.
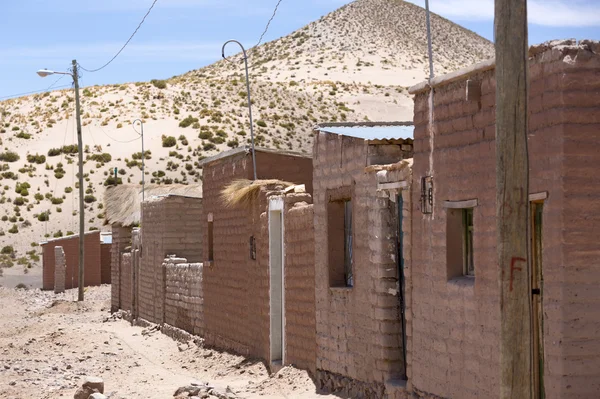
(455, 293)
(96, 260)
(362, 235)
(171, 222)
(238, 300)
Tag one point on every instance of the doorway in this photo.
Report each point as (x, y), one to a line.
(401, 281)
(276, 281)
(537, 285)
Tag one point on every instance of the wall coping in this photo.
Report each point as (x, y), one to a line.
(565, 46)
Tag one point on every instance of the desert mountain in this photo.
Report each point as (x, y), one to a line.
(354, 64)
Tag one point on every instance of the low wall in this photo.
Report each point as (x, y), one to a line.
(183, 301)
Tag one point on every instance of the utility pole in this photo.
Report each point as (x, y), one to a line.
(81, 203)
(74, 74)
(512, 197)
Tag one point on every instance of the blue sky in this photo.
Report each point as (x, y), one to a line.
(180, 35)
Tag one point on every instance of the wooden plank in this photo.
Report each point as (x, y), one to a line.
(392, 185)
(461, 204)
(512, 182)
(538, 196)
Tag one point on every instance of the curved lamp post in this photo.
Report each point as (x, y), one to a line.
(249, 100)
(43, 73)
(141, 133)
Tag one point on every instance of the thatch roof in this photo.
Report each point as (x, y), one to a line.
(122, 202)
(243, 192)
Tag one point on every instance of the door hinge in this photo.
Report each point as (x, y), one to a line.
(535, 291)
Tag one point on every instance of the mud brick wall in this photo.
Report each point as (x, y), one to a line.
(358, 329)
(121, 239)
(125, 285)
(456, 322)
(171, 225)
(184, 299)
(299, 269)
(59, 270)
(92, 261)
(105, 261)
(236, 289)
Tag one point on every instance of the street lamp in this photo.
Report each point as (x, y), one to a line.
(141, 133)
(43, 73)
(249, 101)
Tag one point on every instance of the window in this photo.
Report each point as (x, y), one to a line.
(459, 242)
(468, 266)
(340, 234)
(210, 242)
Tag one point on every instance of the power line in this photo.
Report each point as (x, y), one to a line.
(126, 43)
(34, 92)
(268, 24)
(118, 141)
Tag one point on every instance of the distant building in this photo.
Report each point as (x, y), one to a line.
(97, 260)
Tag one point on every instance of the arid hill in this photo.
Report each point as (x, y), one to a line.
(354, 64)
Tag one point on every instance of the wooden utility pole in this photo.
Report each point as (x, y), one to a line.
(81, 280)
(512, 197)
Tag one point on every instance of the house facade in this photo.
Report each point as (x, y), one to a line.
(235, 247)
(455, 300)
(362, 183)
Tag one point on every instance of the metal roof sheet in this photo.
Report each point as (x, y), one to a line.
(372, 132)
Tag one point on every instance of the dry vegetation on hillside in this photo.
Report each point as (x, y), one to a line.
(352, 65)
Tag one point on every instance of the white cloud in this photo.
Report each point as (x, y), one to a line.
(555, 13)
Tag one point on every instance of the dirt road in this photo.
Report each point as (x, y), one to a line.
(48, 344)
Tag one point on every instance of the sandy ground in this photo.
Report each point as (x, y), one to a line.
(48, 344)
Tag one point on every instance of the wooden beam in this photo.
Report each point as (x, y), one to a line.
(460, 204)
(512, 205)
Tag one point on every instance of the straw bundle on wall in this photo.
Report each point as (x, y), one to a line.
(243, 192)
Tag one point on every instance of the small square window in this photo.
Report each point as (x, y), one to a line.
(459, 243)
(340, 238)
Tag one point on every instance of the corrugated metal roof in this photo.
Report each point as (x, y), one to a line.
(371, 131)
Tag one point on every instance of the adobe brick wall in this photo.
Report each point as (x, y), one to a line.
(105, 261)
(125, 286)
(236, 288)
(184, 301)
(121, 239)
(70, 245)
(171, 225)
(456, 322)
(299, 277)
(59, 270)
(358, 329)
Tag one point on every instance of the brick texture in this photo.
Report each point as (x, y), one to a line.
(236, 288)
(105, 263)
(70, 245)
(171, 225)
(456, 322)
(59, 270)
(299, 271)
(121, 239)
(184, 299)
(358, 329)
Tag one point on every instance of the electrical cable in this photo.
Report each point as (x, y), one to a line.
(268, 24)
(118, 141)
(126, 43)
(33, 92)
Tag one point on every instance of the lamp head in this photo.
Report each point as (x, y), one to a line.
(44, 72)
